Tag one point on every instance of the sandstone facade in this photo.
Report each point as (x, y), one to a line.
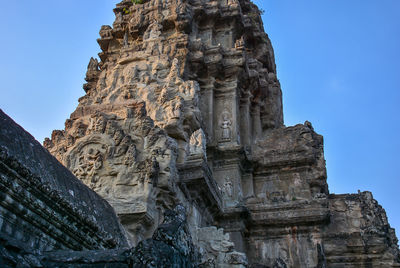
(43, 207)
(185, 107)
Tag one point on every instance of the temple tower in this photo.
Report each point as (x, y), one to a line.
(184, 107)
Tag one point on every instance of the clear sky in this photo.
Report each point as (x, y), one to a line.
(338, 62)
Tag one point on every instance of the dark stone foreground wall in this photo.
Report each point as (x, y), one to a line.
(43, 205)
(170, 246)
(48, 218)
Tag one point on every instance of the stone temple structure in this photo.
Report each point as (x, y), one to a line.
(183, 112)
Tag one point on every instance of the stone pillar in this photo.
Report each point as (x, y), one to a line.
(207, 108)
(256, 121)
(247, 185)
(245, 121)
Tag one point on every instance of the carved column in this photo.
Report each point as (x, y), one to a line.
(245, 121)
(256, 121)
(207, 109)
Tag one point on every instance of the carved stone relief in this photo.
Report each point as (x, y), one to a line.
(226, 127)
(87, 162)
(228, 188)
(197, 143)
(168, 71)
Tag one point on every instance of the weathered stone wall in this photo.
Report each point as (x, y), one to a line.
(359, 234)
(185, 107)
(165, 68)
(289, 204)
(170, 246)
(43, 204)
(134, 124)
(48, 218)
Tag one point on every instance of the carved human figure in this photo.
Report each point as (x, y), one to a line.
(118, 136)
(174, 71)
(226, 127)
(98, 162)
(197, 143)
(228, 188)
(98, 124)
(110, 129)
(95, 161)
(92, 154)
(81, 170)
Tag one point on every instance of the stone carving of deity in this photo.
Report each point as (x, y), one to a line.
(89, 164)
(110, 128)
(118, 136)
(226, 124)
(80, 129)
(197, 142)
(99, 124)
(98, 162)
(228, 188)
(174, 71)
(174, 77)
(81, 171)
(95, 160)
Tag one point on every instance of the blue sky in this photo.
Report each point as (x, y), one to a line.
(338, 63)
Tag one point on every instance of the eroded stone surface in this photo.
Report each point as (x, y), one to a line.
(43, 207)
(43, 204)
(359, 233)
(184, 107)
